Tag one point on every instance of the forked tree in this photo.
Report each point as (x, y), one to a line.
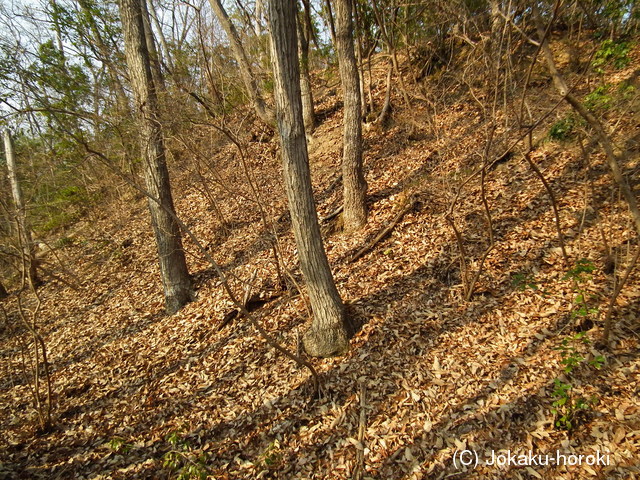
(173, 266)
(327, 335)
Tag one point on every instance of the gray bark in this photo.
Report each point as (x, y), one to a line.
(154, 59)
(173, 266)
(246, 72)
(166, 54)
(354, 184)
(327, 335)
(24, 230)
(304, 36)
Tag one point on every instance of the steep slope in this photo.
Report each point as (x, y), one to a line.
(429, 374)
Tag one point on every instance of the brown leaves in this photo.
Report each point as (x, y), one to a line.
(441, 374)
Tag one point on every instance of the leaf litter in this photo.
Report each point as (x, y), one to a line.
(441, 375)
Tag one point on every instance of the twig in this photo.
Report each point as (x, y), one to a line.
(463, 254)
(554, 205)
(473, 281)
(608, 318)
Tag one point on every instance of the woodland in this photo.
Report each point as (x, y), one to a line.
(319, 239)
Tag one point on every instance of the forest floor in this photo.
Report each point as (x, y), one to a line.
(430, 374)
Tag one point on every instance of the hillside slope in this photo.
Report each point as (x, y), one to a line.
(141, 395)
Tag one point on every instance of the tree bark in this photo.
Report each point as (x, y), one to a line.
(246, 72)
(327, 335)
(332, 25)
(154, 58)
(166, 54)
(173, 266)
(24, 231)
(304, 36)
(354, 184)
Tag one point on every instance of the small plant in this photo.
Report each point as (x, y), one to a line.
(583, 266)
(183, 459)
(571, 356)
(626, 90)
(119, 445)
(580, 274)
(599, 99)
(271, 456)
(522, 281)
(614, 52)
(563, 129)
(564, 407)
(63, 241)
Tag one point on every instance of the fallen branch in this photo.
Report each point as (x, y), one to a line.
(333, 214)
(362, 426)
(409, 205)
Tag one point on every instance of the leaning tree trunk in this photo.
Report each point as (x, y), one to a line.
(24, 232)
(173, 266)
(327, 335)
(154, 57)
(248, 78)
(354, 184)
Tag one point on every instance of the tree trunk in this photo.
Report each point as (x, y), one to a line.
(359, 62)
(105, 55)
(355, 186)
(248, 78)
(332, 25)
(154, 58)
(173, 266)
(327, 335)
(304, 35)
(24, 232)
(166, 53)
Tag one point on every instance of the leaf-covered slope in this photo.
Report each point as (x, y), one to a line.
(439, 374)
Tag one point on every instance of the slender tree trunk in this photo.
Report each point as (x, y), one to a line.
(386, 107)
(304, 36)
(24, 231)
(359, 62)
(154, 58)
(248, 77)
(327, 335)
(332, 25)
(173, 266)
(106, 57)
(166, 54)
(355, 186)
